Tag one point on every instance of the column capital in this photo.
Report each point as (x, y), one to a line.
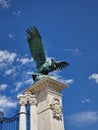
(22, 100)
(32, 100)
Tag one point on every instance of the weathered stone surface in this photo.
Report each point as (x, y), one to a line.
(47, 82)
(22, 101)
(49, 104)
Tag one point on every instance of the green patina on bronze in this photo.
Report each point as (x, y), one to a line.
(43, 65)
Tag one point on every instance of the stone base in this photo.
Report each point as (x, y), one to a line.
(49, 107)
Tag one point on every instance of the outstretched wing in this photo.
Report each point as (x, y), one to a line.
(35, 45)
(61, 65)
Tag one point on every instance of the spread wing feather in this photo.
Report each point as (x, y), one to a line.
(61, 65)
(35, 45)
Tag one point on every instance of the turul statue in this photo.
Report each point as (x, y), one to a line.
(44, 66)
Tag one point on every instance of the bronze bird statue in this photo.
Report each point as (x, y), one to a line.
(43, 65)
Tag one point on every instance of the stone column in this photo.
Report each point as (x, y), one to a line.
(22, 122)
(33, 113)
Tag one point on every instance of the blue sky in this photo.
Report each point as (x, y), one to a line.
(69, 30)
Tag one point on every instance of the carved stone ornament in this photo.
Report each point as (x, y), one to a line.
(56, 108)
(33, 101)
(23, 101)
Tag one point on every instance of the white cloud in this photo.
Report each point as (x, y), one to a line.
(6, 103)
(49, 58)
(7, 63)
(18, 85)
(24, 60)
(11, 61)
(69, 81)
(5, 4)
(94, 76)
(74, 51)
(3, 87)
(29, 81)
(15, 67)
(17, 13)
(85, 100)
(84, 118)
(7, 60)
(30, 73)
(9, 71)
(11, 36)
(6, 56)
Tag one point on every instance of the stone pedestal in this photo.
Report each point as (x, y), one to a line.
(49, 104)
